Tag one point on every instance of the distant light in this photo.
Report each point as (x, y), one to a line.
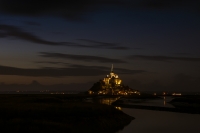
(176, 94)
(119, 108)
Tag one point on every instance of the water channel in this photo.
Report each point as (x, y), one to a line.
(149, 121)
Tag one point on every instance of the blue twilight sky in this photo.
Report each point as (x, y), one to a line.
(153, 44)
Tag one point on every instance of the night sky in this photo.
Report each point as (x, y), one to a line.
(153, 44)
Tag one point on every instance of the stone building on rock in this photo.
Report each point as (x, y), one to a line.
(111, 85)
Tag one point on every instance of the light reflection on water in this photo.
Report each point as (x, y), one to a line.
(163, 102)
(148, 121)
(107, 101)
(119, 108)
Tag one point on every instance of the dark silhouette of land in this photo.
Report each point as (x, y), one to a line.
(58, 113)
(37, 87)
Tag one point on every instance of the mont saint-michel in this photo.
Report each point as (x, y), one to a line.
(111, 85)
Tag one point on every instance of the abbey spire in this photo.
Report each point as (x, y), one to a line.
(112, 68)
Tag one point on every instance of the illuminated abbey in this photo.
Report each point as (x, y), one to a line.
(111, 85)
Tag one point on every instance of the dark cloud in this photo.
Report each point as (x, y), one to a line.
(69, 9)
(157, 4)
(49, 72)
(180, 83)
(183, 82)
(59, 33)
(138, 48)
(13, 31)
(108, 69)
(51, 62)
(98, 44)
(32, 23)
(191, 5)
(103, 68)
(86, 58)
(162, 58)
(73, 10)
(183, 54)
(73, 70)
(175, 5)
(36, 86)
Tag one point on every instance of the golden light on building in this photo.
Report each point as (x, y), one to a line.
(90, 92)
(106, 80)
(118, 81)
(111, 84)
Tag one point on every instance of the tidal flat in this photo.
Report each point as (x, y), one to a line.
(180, 104)
(58, 113)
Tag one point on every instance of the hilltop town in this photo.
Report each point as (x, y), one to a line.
(111, 85)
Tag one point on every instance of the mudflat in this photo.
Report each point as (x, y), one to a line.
(58, 113)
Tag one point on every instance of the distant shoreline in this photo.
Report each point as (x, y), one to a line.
(182, 105)
(156, 108)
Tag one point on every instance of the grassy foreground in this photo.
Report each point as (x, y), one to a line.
(58, 113)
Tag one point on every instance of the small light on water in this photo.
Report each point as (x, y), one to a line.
(164, 101)
(119, 108)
